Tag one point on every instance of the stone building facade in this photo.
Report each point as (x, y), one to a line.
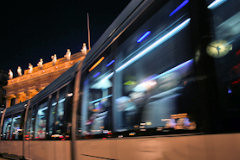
(35, 79)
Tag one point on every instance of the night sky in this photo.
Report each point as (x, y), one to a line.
(38, 29)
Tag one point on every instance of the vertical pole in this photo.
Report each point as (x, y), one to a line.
(88, 28)
(25, 124)
(74, 111)
(1, 122)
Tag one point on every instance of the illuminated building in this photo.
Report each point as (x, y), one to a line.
(35, 79)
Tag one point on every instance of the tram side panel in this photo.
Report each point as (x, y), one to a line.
(198, 147)
(96, 149)
(49, 150)
(11, 147)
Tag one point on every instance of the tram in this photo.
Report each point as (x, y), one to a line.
(161, 83)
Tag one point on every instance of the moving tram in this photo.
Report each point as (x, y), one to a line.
(162, 82)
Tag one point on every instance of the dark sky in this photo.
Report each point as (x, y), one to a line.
(39, 28)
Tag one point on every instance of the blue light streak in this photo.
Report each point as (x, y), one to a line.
(216, 3)
(184, 3)
(143, 36)
(110, 63)
(97, 74)
(160, 41)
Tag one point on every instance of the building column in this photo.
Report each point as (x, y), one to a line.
(31, 93)
(21, 97)
(8, 100)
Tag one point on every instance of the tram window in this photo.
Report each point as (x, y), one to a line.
(52, 114)
(153, 82)
(68, 109)
(28, 134)
(34, 110)
(59, 124)
(16, 130)
(6, 131)
(41, 120)
(96, 100)
(225, 49)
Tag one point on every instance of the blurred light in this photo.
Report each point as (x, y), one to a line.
(236, 82)
(216, 3)
(62, 100)
(148, 123)
(110, 63)
(132, 134)
(149, 77)
(144, 86)
(100, 99)
(159, 129)
(130, 83)
(238, 52)
(69, 94)
(143, 36)
(96, 64)
(43, 109)
(97, 74)
(160, 41)
(229, 91)
(174, 69)
(179, 7)
(107, 77)
(104, 83)
(136, 126)
(105, 131)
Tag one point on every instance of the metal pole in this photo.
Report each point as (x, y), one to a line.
(88, 28)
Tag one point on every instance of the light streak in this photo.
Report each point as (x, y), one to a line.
(184, 3)
(96, 64)
(143, 36)
(110, 63)
(216, 3)
(158, 42)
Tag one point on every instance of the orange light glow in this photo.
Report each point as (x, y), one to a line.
(96, 64)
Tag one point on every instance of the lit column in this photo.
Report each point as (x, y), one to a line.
(8, 100)
(21, 97)
(31, 93)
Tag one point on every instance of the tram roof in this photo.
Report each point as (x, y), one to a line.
(133, 9)
(15, 108)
